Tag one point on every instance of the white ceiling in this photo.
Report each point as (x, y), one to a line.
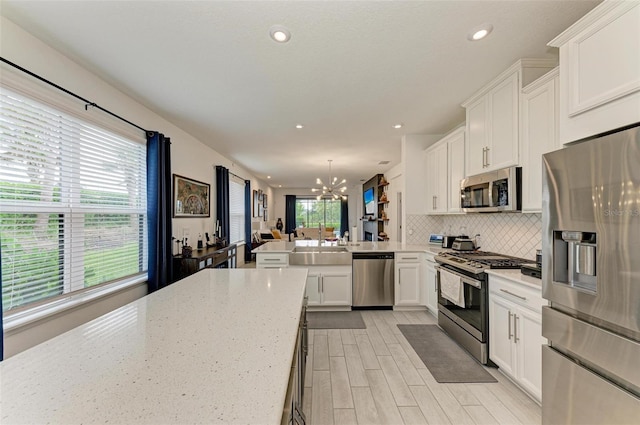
(351, 70)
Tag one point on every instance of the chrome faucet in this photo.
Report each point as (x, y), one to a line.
(319, 233)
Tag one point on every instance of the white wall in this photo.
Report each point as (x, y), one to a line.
(189, 156)
(412, 158)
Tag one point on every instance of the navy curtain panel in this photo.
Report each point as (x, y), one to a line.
(344, 216)
(222, 201)
(247, 220)
(159, 210)
(289, 213)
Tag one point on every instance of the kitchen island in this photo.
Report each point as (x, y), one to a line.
(215, 347)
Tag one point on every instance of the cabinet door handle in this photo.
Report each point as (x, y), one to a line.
(515, 328)
(484, 164)
(512, 294)
(435, 200)
(487, 155)
(509, 327)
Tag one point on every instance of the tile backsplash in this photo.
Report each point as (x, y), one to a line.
(507, 233)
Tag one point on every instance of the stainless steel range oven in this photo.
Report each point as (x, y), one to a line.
(463, 296)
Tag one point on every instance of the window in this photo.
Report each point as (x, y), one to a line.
(72, 202)
(310, 212)
(236, 209)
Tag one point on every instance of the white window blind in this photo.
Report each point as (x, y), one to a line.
(236, 209)
(72, 203)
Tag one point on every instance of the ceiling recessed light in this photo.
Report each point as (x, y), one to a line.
(268, 177)
(279, 185)
(279, 34)
(396, 126)
(299, 126)
(479, 32)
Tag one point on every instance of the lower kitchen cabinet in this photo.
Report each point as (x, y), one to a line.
(431, 286)
(407, 278)
(515, 333)
(329, 286)
(272, 260)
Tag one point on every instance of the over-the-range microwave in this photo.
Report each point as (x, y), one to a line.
(494, 191)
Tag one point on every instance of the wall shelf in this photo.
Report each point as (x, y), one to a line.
(376, 231)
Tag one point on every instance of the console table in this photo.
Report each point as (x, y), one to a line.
(206, 257)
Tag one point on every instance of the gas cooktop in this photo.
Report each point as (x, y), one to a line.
(478, 261)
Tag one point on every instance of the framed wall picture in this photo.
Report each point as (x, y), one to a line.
(191, 198)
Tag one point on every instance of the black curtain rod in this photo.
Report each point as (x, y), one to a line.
(87, 103)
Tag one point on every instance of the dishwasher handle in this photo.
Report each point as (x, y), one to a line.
(372, 256)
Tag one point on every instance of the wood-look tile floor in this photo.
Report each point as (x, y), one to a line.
(373, 376)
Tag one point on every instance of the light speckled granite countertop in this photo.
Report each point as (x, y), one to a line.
(287, 247)
(215, 347)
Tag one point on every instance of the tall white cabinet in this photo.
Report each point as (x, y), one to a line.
(436, 160)
(538, 135)
(455, 168)
(445, 168)
(600, 71)
(493, 117)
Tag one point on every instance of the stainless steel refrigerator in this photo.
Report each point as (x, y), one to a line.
(591, 277)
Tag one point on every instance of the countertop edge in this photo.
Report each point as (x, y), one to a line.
(514, 275)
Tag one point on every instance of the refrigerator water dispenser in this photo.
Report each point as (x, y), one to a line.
(574, 255)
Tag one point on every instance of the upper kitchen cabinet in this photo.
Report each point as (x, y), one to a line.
(493, 118)
(538, 135)
(445, 169)
(455, 169)
(600, 71)
(436, 160)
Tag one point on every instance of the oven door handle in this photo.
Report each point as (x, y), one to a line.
(463, 278)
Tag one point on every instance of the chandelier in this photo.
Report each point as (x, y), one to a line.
(331, 189)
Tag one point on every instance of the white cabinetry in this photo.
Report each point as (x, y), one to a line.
(437, 179)
(329, 286)
(408, 278)
(431, 285)
(455, 170)
(538, 135)
(272, 260)
(493, 118)
(445, 169)
(515, 332)
(600, 71)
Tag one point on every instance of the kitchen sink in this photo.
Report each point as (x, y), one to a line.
(321, 248)
(319, 256)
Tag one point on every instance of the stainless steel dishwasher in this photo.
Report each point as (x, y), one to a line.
(373, 279)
